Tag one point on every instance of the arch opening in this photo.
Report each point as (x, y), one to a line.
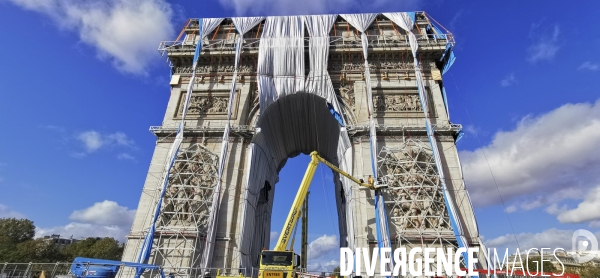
(294, 124)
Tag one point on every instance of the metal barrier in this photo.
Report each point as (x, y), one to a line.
(34, 270)
(220, 272)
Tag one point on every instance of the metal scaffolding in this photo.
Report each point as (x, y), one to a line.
(414, 200)
(183, 221)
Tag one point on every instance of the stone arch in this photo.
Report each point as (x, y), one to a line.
(294, 124)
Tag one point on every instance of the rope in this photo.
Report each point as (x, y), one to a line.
(490, 168)
(258, 30)
(216, 32)
(187, 23)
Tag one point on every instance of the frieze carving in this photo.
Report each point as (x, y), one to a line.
(243, 68)
(205, 104)
(374, 66)
(397, 103)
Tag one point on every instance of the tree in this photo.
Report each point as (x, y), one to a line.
(12, 233)
(589, 270)
(534, 266)
(7, 247)
(336, 272)
(17, 230)
(105, 248)
(38, 251)
(17, 245)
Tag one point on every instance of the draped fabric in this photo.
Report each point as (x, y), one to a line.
(318, 81)
(242, 25)
(280, 69)
(361, 22)
(212, 220)
(245, 24)
(401, 20)
(207, 26)
(406, 22)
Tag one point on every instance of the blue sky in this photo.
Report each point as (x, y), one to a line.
(81, 83)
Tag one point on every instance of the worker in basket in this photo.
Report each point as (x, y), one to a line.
(371, 181)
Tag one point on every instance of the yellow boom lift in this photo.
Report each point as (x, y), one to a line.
(282, 262)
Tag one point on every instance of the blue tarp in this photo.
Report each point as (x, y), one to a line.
(335, 114)
(448, 48)
(449, 62)
(440, 34)
(412, 16)
(459, 136)
(435, 32)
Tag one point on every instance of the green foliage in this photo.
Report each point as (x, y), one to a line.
(37, 250)
(105, 248)
(534, 266)
(589, 270)
(17, 230)
(336, 272)
(17, 245)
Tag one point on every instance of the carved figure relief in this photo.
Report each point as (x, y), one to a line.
(188, 198)
(414, 189)
(373, 66)
(207, 69)
(206, 104)
(254, 106)
(346, 95)
(397, 103)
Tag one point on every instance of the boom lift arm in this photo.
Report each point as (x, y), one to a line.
(294, 214)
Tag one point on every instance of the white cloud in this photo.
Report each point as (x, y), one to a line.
(546, 43)
(322, 265)
(107, 213)
(545, 159)
(555, 209)
(589, 66)
(84, 230)
(511, 209)
(509, 80)
(323, 246)
(126, 156)
(93, 140)
(588, 210)
(274, 235)
(293, 7)
(103, 219)
(552, 238)
(6, 212)
(126, 32)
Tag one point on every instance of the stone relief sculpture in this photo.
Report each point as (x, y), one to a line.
(189, 194)
(416, 200)
(207, 69)
(397, 103)
(346, 97)
(205, 104)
